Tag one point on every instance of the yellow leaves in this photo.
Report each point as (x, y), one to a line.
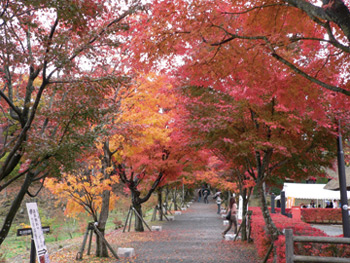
(23, 225)
(82, 189)
(37, 82)
(109, 170)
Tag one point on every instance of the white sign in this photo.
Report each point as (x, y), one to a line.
(38, 235)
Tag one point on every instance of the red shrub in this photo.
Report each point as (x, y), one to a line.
(300, 228)
(278, 210)
(321, 215)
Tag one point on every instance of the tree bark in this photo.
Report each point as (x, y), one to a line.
(174, 200)
(15, 206)
(272, 230)
(245, 197)
(166, 200)
(160, 204)
(138, 222)
(335, 11)
(101, 247)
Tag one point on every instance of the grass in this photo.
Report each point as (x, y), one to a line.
(63, 229)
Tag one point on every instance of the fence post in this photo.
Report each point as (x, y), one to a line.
(283, 203)
(289, 246)
(273, 203)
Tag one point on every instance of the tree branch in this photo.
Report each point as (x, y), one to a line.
(312, 79)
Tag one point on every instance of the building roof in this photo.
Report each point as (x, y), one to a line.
(333, 184)
(310, 191)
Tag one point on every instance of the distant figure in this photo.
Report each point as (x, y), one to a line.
(335, 204)
(199, 195)
(312, 204)
(329, 204)
(233, 219)
(218, 201)
(206, 193)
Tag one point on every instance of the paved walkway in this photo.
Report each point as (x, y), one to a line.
(194, 236)
(331, 230)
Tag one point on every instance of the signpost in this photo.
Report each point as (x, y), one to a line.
(37, 235)
(28, 231)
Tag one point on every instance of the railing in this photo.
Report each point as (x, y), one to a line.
(291, 258)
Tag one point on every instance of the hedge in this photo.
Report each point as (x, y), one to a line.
(322, 215)
(300, 228)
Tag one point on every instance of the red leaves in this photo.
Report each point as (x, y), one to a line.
(321, 215)
(300, 228)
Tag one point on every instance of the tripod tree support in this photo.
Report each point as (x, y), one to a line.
(79, 255)
(105, 241)
(132, 211)
(92, 227)
(154, 216)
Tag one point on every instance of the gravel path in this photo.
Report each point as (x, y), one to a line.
(194, 236)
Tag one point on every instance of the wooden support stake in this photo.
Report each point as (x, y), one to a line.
(90, 240)
(105, 241)
(126, 221)
(154, 215)
(170, 207)
(239, 229)
(136, 213)
(130, 219)
(167, 219)
(268, 253)
(79, 255)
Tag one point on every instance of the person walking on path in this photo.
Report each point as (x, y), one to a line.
(199, 195)
(206, 193)
(233, 219)
(218, 201)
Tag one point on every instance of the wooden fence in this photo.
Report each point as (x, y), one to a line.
(291, 258)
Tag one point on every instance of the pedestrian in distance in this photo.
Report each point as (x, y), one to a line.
(312, 204)
(206, 193)
(218, 201)
(335, 204)
(231, 217)
(199, 195)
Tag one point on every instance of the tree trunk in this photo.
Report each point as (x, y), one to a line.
(160, 204)
(174, 200)
(245, 196)
(101, 247)
(166, 201)
(14, 207)
(138, 221)
(272, 230)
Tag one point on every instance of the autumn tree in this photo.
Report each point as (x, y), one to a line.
(85, 190)
(306, 39)
(259, 139)
(58, 60)
(149, 151)
(139, 138)
(231, 47)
